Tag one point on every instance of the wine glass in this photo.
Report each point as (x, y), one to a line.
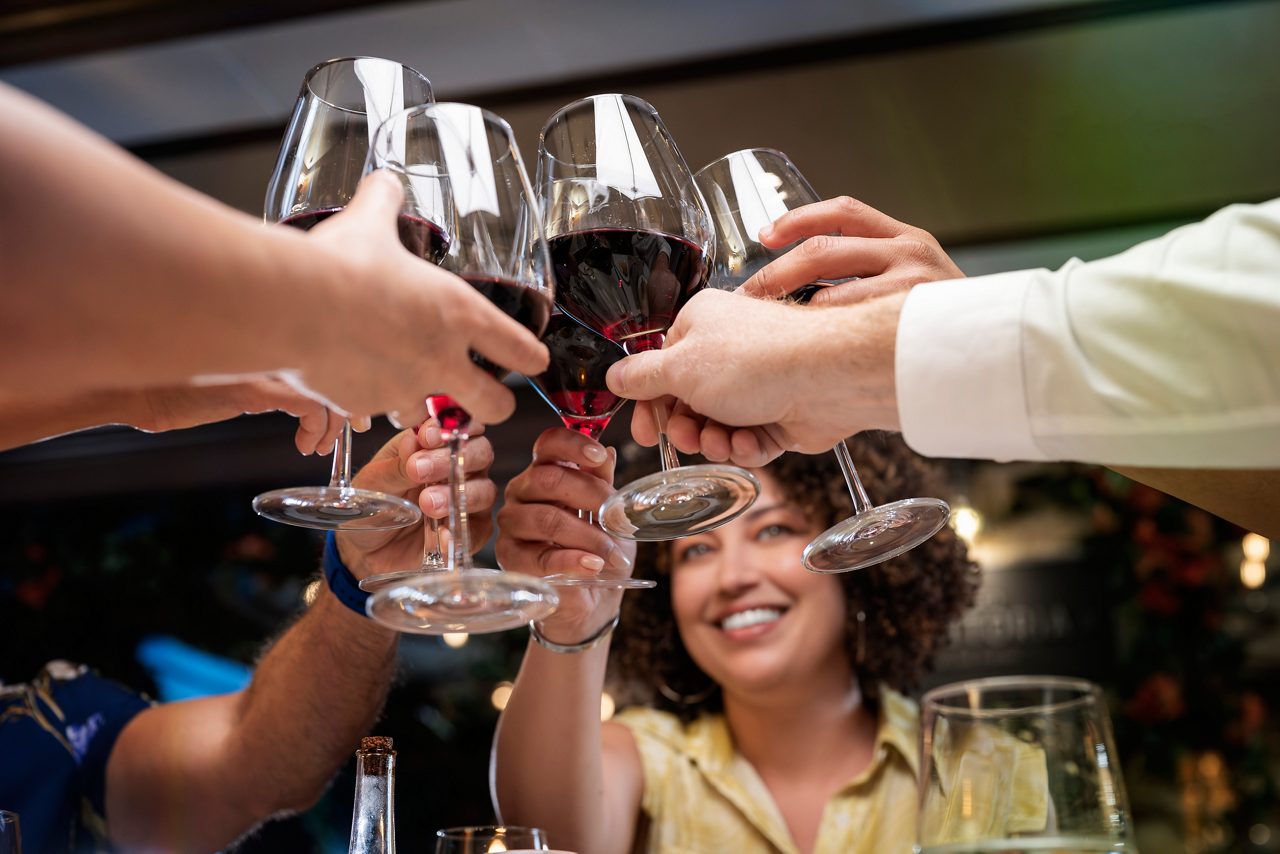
(747, 190)
(486, 839)
(630, 238)
(320, 163)
(462, 162)
(10, 833)
(573, 385)
(1019, 764)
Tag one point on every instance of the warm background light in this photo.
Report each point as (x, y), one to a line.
(967, 523)
(456, 640)
(501, 694)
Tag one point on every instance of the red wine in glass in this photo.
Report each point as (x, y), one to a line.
(626, 283)
(529, 307)
(574, 381)
(424, 239)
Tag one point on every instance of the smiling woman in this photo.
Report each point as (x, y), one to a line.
(764, 705)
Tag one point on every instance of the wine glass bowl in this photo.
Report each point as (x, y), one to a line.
(320, 164)
(630, 236)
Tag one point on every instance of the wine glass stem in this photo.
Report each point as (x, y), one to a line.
(341, 476)
(431, 556)
(665, 450)
(459, 531)
(861, 503)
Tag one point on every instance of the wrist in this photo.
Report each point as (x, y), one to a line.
(581, 643)
(861, 341)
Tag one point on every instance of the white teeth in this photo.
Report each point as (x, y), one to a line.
(751, 617)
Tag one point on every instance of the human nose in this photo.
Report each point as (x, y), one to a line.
(736, 571)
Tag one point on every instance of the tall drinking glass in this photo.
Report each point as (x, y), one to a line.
(321, 161)
(745, 191)
(630, 239)
(573, 385)
(1020, 764)
(486, 839)
(462, 162)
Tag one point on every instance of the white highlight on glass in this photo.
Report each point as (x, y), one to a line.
(621, 161)
(455, 640)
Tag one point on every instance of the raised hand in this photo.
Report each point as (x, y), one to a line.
(414, 465)
(401, 327)
(844, 238)
(540, 533)
(787, 377)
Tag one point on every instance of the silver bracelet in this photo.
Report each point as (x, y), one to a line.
(590, 642)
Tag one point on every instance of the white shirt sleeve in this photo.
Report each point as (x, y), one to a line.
(1166, 355)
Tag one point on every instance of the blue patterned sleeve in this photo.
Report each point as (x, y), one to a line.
(95, 710)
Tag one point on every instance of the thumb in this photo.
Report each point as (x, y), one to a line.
(378, 197)
(642, 376)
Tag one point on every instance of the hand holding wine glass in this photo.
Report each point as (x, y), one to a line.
(542, 530)
(845, 239)
(414, 465)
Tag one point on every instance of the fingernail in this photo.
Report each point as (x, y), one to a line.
(616, 379)
(439, 498)
(592, 562)
(595, 453)
(361, 424)
(433, 436)
(619, 558)
(422, 469)
(766, 232)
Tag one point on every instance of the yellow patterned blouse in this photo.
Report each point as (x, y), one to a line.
(702, 797)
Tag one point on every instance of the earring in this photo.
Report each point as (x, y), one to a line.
(860, 654)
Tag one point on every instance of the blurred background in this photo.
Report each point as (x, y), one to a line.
(1020, 132)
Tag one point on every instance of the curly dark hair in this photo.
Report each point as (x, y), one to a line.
(909, 601)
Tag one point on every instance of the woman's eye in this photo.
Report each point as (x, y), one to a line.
(769, 532)
(693, 551)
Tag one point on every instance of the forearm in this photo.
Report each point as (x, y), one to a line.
(29, 419)
(196, 775)
(117, 275)
(547, 758)
(318, 689)
(1250, 499)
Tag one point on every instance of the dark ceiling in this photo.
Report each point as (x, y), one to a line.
(40, 30)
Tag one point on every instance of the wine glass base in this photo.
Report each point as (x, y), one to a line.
(603, 581)
(477, 601)
(679, 502)
(373, 583)
(332, 508)
(876, 535)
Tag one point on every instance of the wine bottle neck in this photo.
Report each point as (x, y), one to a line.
(373, 820)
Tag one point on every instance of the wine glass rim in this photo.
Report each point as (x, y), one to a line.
(490, 118)
(759, 150)
(471, 829)
(573, 105)
(315, 69)
(936, 698)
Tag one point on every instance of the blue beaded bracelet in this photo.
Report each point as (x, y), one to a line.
(341, 582)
